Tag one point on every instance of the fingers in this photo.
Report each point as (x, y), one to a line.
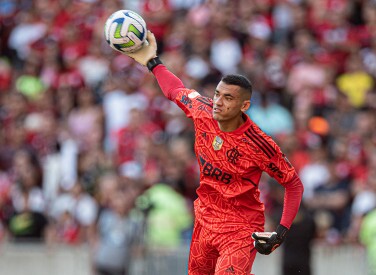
(147, 51)
(265, 242)
(257, 238)
(151, 38)
(264, 236)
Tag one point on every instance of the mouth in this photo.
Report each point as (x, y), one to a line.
(216, 110)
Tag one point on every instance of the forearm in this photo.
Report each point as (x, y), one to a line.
(293, 196)
(168, 82)
(266, 242)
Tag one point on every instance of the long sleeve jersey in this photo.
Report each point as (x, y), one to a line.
(231, 164)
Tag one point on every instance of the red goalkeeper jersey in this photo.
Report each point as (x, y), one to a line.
(231, 164)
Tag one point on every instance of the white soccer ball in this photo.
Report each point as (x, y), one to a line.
(125, 31)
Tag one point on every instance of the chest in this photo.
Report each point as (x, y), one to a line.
(223, 152)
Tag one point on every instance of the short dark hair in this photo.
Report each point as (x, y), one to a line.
(241, 81)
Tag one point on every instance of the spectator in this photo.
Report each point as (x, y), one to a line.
(158, 17)
(297, 249)
(355, 82)
(315, 173)
(117, 104)
(29, 222)
(367, 233)
(167, 207)
(333, 197)
(29, 82)
(85, 120)
(119, 232)
(74, 214)
(28, 30)
(127, 138)
(271, 117)
(94, 67)
(6, 208)
(364, 202)
(225, 50)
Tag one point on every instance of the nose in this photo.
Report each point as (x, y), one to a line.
(218, 100)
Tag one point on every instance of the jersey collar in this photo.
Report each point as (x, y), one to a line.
(247, 123)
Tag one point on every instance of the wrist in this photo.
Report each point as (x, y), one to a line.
(152, 63)
(281, 231)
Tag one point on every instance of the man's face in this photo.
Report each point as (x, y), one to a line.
(227, 102)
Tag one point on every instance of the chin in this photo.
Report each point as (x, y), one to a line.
(216, 117)
(219, 119)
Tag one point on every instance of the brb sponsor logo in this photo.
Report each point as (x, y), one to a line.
(186, 101)
(210, 170)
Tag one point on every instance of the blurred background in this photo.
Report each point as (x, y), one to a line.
(97, 171)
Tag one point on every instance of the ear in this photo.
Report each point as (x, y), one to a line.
(245, 105)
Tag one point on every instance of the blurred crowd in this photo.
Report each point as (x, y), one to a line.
(92, 152)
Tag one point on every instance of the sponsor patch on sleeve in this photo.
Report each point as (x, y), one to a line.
(193, 94)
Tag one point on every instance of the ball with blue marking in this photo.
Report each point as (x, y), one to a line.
(125, 31)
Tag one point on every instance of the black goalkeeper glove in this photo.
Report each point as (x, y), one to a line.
(266, 242)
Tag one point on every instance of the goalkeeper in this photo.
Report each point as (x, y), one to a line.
(232, 153)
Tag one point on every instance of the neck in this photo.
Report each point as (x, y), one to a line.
(232, 125)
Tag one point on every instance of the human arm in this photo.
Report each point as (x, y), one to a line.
(277, 166)
(293, 196)
(267, 242)
(147, 56)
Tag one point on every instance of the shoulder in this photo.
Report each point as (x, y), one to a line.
(261, 140)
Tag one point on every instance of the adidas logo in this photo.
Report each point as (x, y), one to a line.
(230, 270)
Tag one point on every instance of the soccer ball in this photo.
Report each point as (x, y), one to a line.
(125, 31)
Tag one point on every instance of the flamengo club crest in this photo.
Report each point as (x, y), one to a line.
(217, 143)
(233, 155)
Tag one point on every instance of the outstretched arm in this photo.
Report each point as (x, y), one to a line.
(147, 56)
(169, 83)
